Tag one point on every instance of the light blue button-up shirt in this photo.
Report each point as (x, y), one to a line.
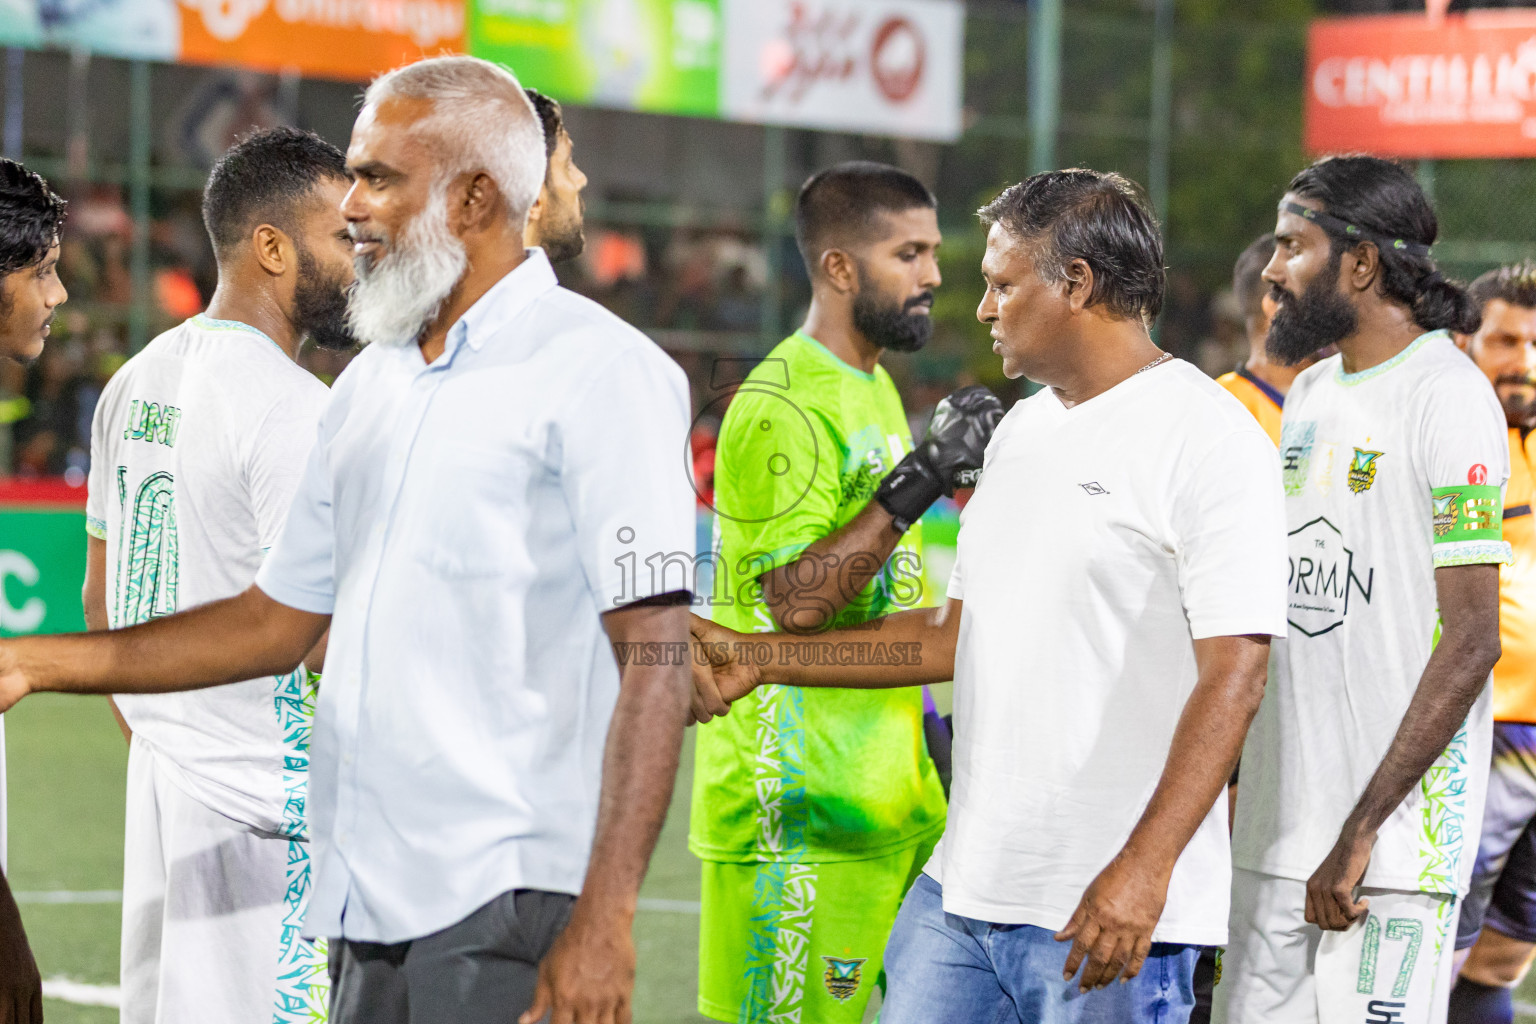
(467, 522)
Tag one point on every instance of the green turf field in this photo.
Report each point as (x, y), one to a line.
(67, 763)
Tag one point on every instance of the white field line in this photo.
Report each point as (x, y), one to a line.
(81, 994)
(116, 896)
(110, 995)
(670, 906)
(70, 896)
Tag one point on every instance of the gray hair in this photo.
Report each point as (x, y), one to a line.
(481, 120)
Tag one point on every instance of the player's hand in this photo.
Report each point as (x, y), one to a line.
(957, 436)
(588, 976)
(1112, 926)
(21, 988)
(718, 677)
(13, 680)
(947, 459)
(1331, 903)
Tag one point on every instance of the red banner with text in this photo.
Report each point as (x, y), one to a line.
(1406, 86)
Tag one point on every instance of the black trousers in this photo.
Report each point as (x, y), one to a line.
(480, 971)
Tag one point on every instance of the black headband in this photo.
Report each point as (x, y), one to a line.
(1344, 229)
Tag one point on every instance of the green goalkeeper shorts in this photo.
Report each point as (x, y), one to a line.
(802, 942)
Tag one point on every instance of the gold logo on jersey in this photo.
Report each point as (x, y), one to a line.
(1446, 513)
(843, 977)
(1362, 470)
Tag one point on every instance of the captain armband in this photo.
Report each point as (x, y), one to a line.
(1469, 525)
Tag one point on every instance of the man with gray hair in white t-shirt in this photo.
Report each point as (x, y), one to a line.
(1121, 572)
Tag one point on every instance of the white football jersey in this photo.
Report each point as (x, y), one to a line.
(197, 446)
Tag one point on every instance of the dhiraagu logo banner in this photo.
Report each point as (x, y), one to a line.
(655, 55)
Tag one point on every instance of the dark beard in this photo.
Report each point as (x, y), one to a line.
(1315, 319)
(888, 324)
(1517, 411)
(567, 240)
(320, 306)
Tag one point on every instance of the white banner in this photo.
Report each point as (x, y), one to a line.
(885, 67)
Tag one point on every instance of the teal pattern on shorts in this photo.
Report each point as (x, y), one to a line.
(303, 986)
(1444, 815)
(779, 944)
(784, 897)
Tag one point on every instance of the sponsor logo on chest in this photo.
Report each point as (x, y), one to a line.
(1324, 578)
(1362, 470)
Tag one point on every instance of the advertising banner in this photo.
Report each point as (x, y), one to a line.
(142, 29)
(655, 55)
(345, 39)
(1401, 85)
(42, 557)
(889, 67)
(879, 66)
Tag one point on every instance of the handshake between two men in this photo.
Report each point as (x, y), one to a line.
(917, 646)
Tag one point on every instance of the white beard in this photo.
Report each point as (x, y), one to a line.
(392, 302)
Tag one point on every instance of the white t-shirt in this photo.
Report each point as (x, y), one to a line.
(1102, 542)
(1389, 474)
(197, 446)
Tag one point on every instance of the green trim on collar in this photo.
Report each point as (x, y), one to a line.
(819, 347)
(1351, 379)
(208, 323)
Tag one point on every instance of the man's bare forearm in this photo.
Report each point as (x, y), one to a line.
(905, 649)
(1206, 744)
(639, 761)
(226, 641)
(1451, 683)
(806, 594)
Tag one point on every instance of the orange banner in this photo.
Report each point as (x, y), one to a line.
(1402, 85)
(346, 39)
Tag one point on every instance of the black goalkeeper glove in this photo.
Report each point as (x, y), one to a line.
(948, 458)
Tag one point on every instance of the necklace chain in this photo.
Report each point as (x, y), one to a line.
(1156, 362)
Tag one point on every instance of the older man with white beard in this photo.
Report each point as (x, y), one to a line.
(485, 472)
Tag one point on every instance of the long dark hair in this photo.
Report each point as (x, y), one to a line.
(1382, 199)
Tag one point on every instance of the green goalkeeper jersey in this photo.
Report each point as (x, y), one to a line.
(798, 774)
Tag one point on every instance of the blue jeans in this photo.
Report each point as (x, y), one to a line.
(944, 969)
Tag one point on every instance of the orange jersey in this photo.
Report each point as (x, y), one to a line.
(1258, 398)
(1514, 677)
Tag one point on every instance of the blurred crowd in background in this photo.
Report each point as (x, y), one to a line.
(671, 281)
(677, 280)
(688, 236)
